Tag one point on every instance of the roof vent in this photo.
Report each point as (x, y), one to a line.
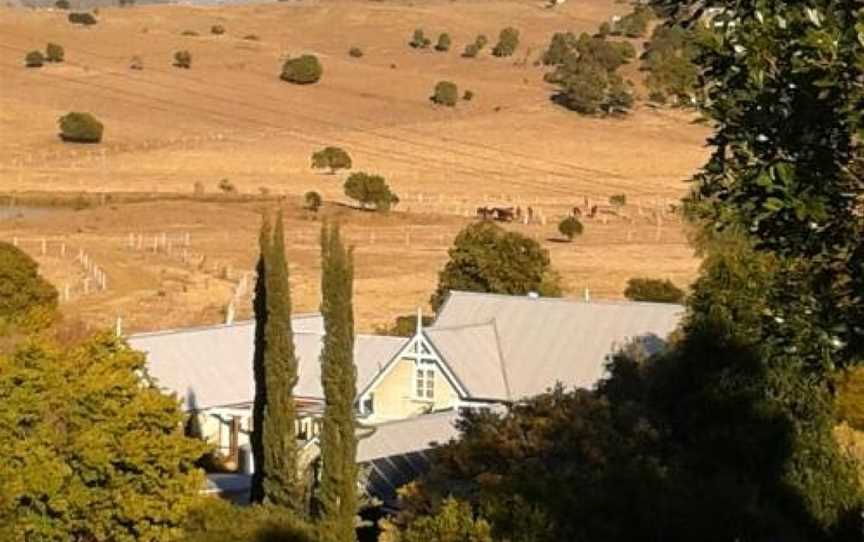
(533, 295)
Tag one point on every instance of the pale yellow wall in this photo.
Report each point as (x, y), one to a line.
(393, 397)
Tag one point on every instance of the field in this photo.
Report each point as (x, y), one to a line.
(230, 117)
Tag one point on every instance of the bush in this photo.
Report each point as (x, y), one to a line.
(54, 53)
(508, 40)
(216, 520)
(453, 522)
(303, 70)
(332, 158)
(468, 96)
(370, 189)
(62, 4)
(190, 33)
(80, 128)
(590, 89)
(471, 50)
(446, 93)
(82, 18)
(34, 59)
(618, 200)
(419, 40)
(355, 52)
(227, 186)
(22, 289)
(604, 30)
(217, 29)
(481, 40)
(654, 290)
(570, 227)
(312, 201)
(136, 63)
(183, 59)
(251, 37)
(404, 326)
(443, 43)
(561, 48)
(633, 25)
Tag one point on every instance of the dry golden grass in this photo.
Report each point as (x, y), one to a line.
(231, 117)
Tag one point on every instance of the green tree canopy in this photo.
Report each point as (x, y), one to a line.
(303, 70)
(370, 189)
(653, 290)
(446, 93)
(332, 158)
(54, 52)
(34, 59)
(22, 289)
(444, 42)
(570, 227)
(487, 258)
(508, 41)
(80, 128)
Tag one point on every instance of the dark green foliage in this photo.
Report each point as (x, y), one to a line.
(370, 190)
(54, 53)
(312, 201)
(468, 95)
(183, 59)
(508, 41)
(84, 18)
(337, 494)
(590, 89)
(34, 59)
(62, 4)
(570, 227)
(443, 43)
(332, 158)
(604, 30)
(481, 40)
(22, 289)
(618, 200)
(471, 50)
(454, 521)
(561, 47)
(355, 52)
(446, 93)
(80, 128)
(669, 59)
(226, 186)
(252, 37)
(654, 290)
(216, 520)
(487, 258)
(419, 40)
(404, 326)
(259, 373)
(217, 29)
(190, 33)
(635, 24)
(850, 397)
(90, 450)
(303, 70)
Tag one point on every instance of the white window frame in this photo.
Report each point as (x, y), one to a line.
(425, 374)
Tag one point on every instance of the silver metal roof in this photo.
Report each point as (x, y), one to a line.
(472, 353)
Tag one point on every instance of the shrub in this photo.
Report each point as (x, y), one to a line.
(183, 59)
(251, 37)
(633, 25)
(80, 128)
(86, 19)
(570, 227)
(404, 326)
(62, 4)
(604, 30)
(446, 93)
(303, 70)
(654, 290)
(332, 158)
(312, 201)
(227, 186)
(419, 40)
(589, 89)
(216, 520)
(443, 43)
(561, 48)
(508, 40)
(618, 200)
(468, 96)
(370, 189)
(136, 63)
(22, 289)
(54, 53)
(453, 522)
(190, 33)
(355, 52)
(34, 59)
(481, 40)
(217, 29)
(471, 50)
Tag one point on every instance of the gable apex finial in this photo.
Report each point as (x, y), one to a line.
(419, 328)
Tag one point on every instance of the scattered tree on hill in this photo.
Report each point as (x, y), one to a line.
(468, 95)
(618, 200)
(183, 59)
(217, 520)
(312, 201)
(84, 18)
(471, 50)
(590, 89)
(570, 227)
(337, 491)
(604, 30)
(481, 40)
(303, 70)
(419, 40)
(446, 93)
(34, 59)
(332, 158)
(654, 290)
(370, 190)
(226, 186)
(453, 521)
(486, 258)
(635, 24)
(217, 29)
(355, 52)
(91, 450)
(669, 60)
(23, 292)
(54, 53)
(561, 48)
(443, 43)
(136, 63)
(62, 4)
(508, 41)
(80, 128)
(404, 326)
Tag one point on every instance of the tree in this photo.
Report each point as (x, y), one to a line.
(653, 290)
(403, 326)
(80, 128)
(443, 43)
(54, 52)
(337, 494)
(588, 88)
(570, 227)
(454, 522)
(217, 520)
(471, 50)
(419, 40)
(34, 59)
(303, 70)
(446, 93)
(486, 258)
(481, 40)
(313, 201)
(217, 29)
(355, 52)
(561, 47)
(84, 18)
(370, 189)
(508, 40)
(259, 371)
(23, 292)
(91, 450)
(183, 59)
(332, 158)
(62, 4)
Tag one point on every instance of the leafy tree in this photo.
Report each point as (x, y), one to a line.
(355, 52)
(654, 290)
(62, 4)
(508, 41)
(332, 158)
(481, 40)
(54, 52)
(259, 369)
(183, 59)
(337, 494)
(618, 200)
(454, 522)
(84, 18)
(487, 258)
(34, 59)
(635, 24)
(670, 62)
(446, 93)
(589, 89)
(23, 291)
(303, 70)
(370, 189)
(91, 450)
(217, 29)
(313, 201)
(404, 326)
(419, 40)
(604, 30)
(468, 95)
(570, 227)
(561, 47)
(217, 520)
(471, 50)
(80, 128)
(443, 43)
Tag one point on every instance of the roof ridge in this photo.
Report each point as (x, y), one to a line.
(460, 326)
(435, 413)
(570, 300)
(502, 360)
(205, 327)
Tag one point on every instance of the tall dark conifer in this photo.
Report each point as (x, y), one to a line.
(338, 489)
(258, 407)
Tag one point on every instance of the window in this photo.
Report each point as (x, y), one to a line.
(425, 383)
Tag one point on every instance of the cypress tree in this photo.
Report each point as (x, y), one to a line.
(338, 486)
(259, 304)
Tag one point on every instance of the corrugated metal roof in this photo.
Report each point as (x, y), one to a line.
(212, 366)
(410, 435)
(547, 340)
(472, 352)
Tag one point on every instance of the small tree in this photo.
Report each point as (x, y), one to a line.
(618, 200)
(22, 288)
(355, 52)
(217, 29)
(508, 40)
(604, 30)
(468, 96)
(62, 4)
(34, 59)
(227, 186)
(443, 43)
(84, 18)
(54, 53)
(313, 201)
(446, 93)
(183, 59)
(570, 227)
(80, 128)
(654, 290)
(303, 70)
(471, 50)
(481, 40)
(419, 40)
(453, 522)
(370, 190)
(332, 158)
